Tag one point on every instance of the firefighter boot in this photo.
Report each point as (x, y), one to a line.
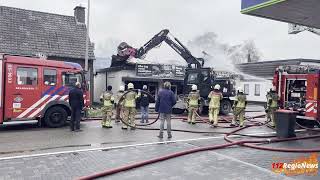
(215, 116)
(211, 115)
(189, 115)
(234, 121)
(103, 122)
(108, 124)
(193, 117)
(241, 118)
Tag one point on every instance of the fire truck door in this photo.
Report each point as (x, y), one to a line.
(23, 91)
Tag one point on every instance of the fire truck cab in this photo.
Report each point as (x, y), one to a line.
(37, 89)
(298, 88)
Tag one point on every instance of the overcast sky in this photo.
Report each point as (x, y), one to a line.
(136, 21)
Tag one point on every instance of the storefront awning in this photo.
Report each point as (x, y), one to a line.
(303, 12)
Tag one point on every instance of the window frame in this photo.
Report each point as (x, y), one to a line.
(244, 89)
(63, 75)
(56, 76)
(259, 89)
(26, 67)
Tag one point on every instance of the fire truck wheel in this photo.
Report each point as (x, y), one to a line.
(55, 117)
(225, 107)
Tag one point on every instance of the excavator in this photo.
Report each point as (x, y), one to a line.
(203, 77)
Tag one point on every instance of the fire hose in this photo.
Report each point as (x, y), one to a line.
(246, 143)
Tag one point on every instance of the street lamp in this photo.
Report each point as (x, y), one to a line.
(87, 39)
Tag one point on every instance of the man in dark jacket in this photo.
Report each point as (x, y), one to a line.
(166, 100)
(144, 105)
(76, 103)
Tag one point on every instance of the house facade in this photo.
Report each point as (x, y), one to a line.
(46, 35)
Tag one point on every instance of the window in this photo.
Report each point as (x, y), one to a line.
(205, 75)
(27, 76)
(70, 79)
(257, 89)
(246, 89)
(50, 77)
(192, 78)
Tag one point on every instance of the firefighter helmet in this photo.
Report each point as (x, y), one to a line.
(217, 87)
(194, 87)
(121, 88)
(144, 87)
(167, 85)
(130, 86)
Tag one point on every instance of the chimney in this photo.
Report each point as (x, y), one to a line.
(80, 14)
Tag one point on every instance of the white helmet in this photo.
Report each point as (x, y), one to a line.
(217, 87)
(194, 87)
(121, 88)
(167, 85)
(240, 89)
(130, 86)
(144, 87)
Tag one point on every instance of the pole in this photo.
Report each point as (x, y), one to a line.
(87, 39)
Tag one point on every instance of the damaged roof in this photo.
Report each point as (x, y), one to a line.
(26, 32)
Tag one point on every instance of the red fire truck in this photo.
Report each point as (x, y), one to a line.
(298, 88)
(37, 89)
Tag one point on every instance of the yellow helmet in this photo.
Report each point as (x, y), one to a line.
(130, 86)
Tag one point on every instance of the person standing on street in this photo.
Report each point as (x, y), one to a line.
(129, 105)
(107, 100)
(118, 106)
(215, 97)
(165, 101)
(144, 105)
(272, 105)
(193, 104)
(77, 104)
(239, 107)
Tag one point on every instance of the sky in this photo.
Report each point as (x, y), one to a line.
(136, 21)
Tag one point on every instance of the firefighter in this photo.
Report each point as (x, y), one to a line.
(129, 106)
(117, 105)
(272, 105)
(108, 100)
(239, 107)
(193, 104)
(266, 107)
(215, 97)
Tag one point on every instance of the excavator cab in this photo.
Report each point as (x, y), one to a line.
(200, 77)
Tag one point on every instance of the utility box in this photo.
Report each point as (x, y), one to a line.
(285, 123)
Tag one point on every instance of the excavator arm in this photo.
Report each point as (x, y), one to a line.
(125, 51)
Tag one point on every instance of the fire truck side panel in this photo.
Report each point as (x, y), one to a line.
(312, 95)
(1, 90)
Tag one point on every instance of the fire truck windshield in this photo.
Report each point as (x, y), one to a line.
(69, 79)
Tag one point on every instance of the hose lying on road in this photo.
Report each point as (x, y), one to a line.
(246, 143)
